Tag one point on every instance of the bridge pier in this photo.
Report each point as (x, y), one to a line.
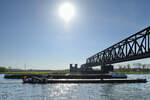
(104, 69)
(74, 68)
(107, 68)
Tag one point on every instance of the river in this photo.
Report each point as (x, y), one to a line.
(13, 89)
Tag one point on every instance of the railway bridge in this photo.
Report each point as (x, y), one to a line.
(136, 46)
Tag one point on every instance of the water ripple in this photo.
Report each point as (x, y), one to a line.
(15, 90)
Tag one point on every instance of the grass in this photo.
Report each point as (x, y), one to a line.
(67, 72)
(34, 72)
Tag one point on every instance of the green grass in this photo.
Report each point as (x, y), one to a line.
(67, 72)
(34, 72)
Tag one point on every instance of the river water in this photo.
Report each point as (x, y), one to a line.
(11, 89)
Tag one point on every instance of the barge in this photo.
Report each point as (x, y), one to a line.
(36, 80)
(67, 76)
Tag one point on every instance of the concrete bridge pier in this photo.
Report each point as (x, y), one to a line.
(74, 68)
(107, 68)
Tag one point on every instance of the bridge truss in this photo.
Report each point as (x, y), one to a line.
(134, 47)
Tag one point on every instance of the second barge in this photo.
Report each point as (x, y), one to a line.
(67, 76)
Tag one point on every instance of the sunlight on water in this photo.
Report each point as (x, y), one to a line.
(60, 90)
(16, 90)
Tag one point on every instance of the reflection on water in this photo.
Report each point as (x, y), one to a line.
(15, 90)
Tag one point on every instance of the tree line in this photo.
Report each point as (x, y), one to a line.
(3, 69)
(128, 68)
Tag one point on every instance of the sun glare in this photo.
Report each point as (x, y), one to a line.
(66, 11)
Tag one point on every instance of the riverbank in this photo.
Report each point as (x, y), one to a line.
(67, 72)
(34, 72)
(132, 72)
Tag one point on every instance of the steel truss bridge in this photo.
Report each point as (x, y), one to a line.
(136, 46)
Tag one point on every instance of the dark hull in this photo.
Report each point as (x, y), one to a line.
(89, 81)
(65, 76)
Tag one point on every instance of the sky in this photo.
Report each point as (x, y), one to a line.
(33, 33)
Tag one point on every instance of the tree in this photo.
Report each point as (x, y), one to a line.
(120, 68)
(3, 69)
(128, 68)
(143, 67)
(124, 68)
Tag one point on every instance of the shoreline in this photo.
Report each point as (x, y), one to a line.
(67, 73)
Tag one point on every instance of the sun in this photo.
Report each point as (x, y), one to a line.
(66, 11)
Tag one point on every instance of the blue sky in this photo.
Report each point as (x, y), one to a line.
(32, 32)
